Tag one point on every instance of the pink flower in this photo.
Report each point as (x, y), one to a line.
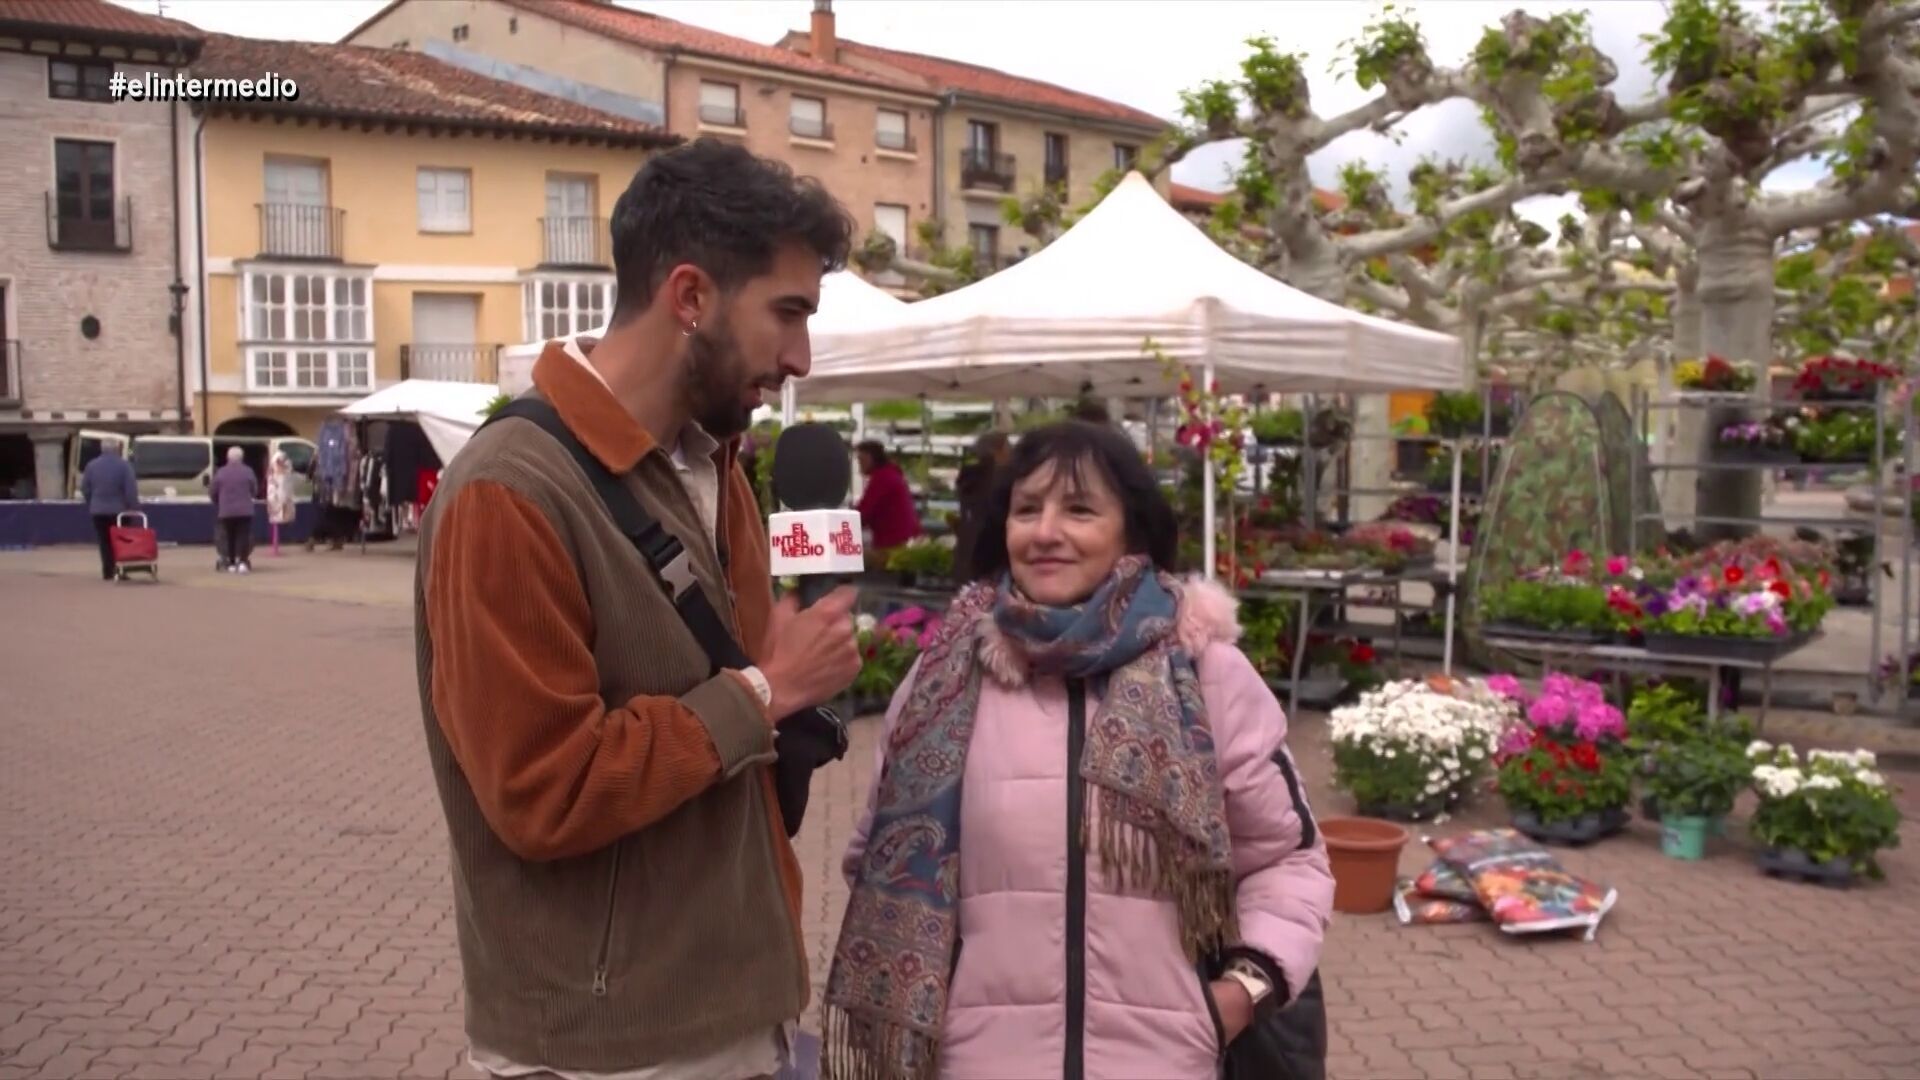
(905, 617)
(1506, 686)
(1617, 565)
(1576, 563)
(1550, 710)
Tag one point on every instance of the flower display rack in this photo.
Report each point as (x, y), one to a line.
(1893, 427)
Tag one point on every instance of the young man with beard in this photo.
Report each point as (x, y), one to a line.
(627, 901)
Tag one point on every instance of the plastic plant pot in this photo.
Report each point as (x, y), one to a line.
(1365, 857)
(1685, 837)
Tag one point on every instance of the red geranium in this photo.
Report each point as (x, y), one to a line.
(1361, 653)
(1734, 575)
(1780, 589)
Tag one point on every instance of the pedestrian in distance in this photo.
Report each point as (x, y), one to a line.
(626, 895)
(109, 489)
(1088, 852)
(233, 491)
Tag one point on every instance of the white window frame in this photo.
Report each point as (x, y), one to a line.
(323, 347)
(794, 102)
(732, 104)
(880, 130)
(439, 185)
(573, 309)
(1126, 156)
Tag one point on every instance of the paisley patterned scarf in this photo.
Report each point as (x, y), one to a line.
(1153, 785)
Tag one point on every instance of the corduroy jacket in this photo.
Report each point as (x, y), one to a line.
(624, 890)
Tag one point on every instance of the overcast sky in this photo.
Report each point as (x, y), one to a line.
(1141, 52)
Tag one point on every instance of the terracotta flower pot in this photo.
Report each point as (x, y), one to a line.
(1365, 854)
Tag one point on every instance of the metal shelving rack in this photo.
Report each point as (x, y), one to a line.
(1872, 522)
(1440, 574)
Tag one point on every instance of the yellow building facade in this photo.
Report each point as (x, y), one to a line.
(344, 253)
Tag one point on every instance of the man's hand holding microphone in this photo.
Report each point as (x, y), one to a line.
(811, 654)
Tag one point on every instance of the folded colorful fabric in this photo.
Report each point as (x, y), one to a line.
(1415, 909)
(1443, 882)
(1522, 885)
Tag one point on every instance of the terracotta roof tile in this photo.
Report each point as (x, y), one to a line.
(955, 76)
(394, 84)
(658, 32)
(97, 17)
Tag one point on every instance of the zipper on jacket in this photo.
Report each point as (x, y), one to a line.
(606, 931)
(1075, 1067)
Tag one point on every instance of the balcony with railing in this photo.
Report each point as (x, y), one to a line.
(729, 116)
(985, 169)
(802, 128)
(450, 363)
(302, 231)
(10, 373)
(900, 142)
(575, 242)
(77, 225)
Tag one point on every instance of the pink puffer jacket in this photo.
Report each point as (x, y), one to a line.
(1145, 1013)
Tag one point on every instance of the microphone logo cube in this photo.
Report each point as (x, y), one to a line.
(802, 542)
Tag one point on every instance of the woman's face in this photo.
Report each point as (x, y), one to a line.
(1064, 533)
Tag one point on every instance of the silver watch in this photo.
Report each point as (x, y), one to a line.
(1249, 976)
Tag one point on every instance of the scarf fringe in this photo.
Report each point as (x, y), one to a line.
(854, 1048)
(1164, 863)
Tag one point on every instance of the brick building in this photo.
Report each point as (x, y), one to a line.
(93, 243)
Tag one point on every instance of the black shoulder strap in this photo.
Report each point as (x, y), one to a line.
(662, 550)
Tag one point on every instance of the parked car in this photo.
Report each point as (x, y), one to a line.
(181, 466)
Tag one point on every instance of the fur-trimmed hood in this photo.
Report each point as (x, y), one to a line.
(1208, 613)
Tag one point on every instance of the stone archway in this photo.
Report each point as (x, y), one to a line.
(255, 426)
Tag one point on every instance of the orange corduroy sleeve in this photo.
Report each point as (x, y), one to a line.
(556, 772)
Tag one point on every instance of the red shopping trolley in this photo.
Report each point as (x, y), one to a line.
(135, 546)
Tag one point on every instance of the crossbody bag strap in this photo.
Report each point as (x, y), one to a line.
(663, 551)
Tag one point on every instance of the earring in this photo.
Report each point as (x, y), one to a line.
(689, 331)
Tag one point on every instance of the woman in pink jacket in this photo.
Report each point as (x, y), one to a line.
(1087, 853)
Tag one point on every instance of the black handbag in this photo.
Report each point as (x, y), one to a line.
(808, 739)
(1288, 1043)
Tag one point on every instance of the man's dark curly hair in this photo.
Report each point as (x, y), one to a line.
(718, 206)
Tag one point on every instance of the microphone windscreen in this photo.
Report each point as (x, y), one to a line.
(812, 468)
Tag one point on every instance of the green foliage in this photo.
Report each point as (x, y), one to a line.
(494, 405)
(1387, 41)
(1363, 187)
(1279, 426)
(1454, 414)
(1840, 435)
(1275, 82)
(1212, 107)
(1700, 777)
(895, 409)
(1561, 781)
(922, 555)
(1547, 605)
(1834, 806)
(1665, 714)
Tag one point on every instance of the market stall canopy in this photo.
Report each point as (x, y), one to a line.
(449, 412)
(847, 302)
(1074, 316)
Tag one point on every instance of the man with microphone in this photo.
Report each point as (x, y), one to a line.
(603, 669)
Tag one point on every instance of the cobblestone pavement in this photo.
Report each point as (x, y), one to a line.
(220, 857)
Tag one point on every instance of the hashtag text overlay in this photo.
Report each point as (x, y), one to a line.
(179, 86)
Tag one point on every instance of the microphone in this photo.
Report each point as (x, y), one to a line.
(817, 542)
(814, 539)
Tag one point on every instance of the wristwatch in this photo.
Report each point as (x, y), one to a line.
(1249, 976)
(761, 688)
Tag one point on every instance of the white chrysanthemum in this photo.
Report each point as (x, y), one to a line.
(1823, 783)
(1758, 747)
(1870, 778)
(865, 623)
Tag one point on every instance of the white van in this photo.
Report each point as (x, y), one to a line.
(182, 466)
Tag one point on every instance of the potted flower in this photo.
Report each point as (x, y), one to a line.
(1563, 602)
(1387, 545)
(1695, 783)
(1455, 415)
(1838, 378)
(1279, 427)
(1412, 749)
(1439, 477)
(888, 649)
(1564, 773)
(1714, 376)
(1822, 819)
(1757, 442)
(1741, 611)
(926, 561)
(1840, 438)
(1664, 714)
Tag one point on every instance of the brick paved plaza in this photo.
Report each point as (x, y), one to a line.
(220, 856)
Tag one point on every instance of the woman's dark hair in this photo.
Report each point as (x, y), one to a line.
(874, 451)
(1074, 446)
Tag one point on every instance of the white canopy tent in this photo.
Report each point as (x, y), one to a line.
(1073, 318)
(847, 302)
(449, 412)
